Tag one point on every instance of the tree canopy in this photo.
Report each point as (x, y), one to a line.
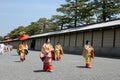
(75, 13)
(1, 38)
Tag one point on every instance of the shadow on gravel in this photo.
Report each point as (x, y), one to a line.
(15, 55)
(81, 66)
(38, 71)
(17, 61)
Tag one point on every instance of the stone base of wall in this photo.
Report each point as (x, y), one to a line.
(99, 52)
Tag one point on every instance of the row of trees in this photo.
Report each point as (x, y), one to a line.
(41, 26)
(74, 13)
(80, 12)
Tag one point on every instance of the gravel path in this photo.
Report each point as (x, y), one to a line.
(71, 67)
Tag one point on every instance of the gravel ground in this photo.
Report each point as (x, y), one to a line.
(71, 67)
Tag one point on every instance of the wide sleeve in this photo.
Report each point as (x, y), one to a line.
(61, 50)
(92, 53)
(85, 51)
(45, 49)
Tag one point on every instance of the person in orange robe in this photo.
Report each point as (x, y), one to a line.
(22, 50)
(58, 51)
(46, 55)
(88, 53)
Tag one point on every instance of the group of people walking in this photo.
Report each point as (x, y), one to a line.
(5, 47)
(49, 53)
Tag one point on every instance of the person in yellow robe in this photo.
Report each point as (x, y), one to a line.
(58, 51)
(22, 51)
(88, 53)
(46, 55)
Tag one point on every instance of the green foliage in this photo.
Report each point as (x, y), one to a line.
(106, 9)
(74, 13)
(77, 12)
(15, 32)
(41, 26)
(60, 21)
(46, 25)
(1, 38)
(33, 29)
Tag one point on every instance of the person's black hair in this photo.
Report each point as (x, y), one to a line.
(87, 41)
(57, 42)
(22, 42)
(46, 40)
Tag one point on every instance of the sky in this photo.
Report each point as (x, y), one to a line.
(15, 13)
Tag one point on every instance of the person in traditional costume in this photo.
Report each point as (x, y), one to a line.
(10, 47)
(5, 48)
(22, 51)
(58, 51)
(46, 55)
(88, 53)
(2, 47)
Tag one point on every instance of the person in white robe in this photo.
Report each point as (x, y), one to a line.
(2, 48)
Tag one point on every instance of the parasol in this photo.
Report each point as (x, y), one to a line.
(23, 37)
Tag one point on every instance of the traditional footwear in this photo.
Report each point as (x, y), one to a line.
(21, 60)
(49, 70)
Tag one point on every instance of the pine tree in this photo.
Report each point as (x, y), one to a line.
(106, 9)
